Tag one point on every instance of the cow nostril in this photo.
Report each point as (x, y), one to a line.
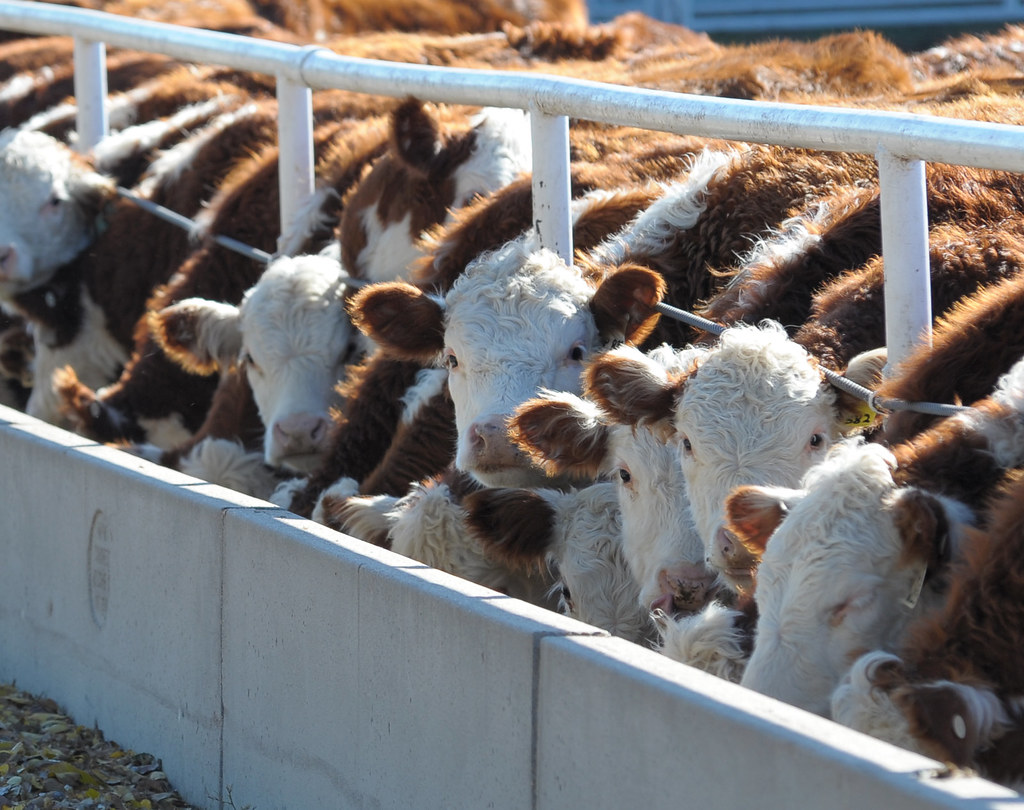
(319, 431)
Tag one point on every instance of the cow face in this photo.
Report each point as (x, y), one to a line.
(50, 200)
(571, 435)
(841, 573)
(290, 336)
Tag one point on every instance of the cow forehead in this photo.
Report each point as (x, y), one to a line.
(767, 383)
(530, 298)
(31, 163)
(842, 523)
(298, 305)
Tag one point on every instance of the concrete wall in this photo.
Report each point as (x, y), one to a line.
(259, 653)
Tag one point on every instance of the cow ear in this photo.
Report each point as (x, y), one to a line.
(923, 527)
(865, 369)
(754, 513)
(952, 720)
(89, 189)
(203, 336)
(624, 304)
(632, 389)
(515, 526)
(415, 135)
(562, 435)
(400, 318)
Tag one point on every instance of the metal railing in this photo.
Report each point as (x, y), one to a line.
(900, 142)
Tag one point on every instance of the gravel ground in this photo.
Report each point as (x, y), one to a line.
(48, 762)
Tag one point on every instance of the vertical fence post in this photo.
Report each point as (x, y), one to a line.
(295, 148)
(908, 295)
(90, 92)
(551, 188)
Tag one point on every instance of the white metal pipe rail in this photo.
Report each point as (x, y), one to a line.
(901, 142)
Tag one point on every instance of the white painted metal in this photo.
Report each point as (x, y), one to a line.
(908, 296)
(295, 152)
(551, 182)
(90, 92)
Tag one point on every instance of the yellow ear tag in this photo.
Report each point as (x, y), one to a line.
(864, 417)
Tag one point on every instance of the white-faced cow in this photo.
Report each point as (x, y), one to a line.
(864, 544)
(953, 688)
(50, 209)
(569, 435)
(291, 338)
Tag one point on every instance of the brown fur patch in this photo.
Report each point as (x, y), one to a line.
(515, 526)
(628, 393)
(624, 304)
(753, 515)
(401, 317)
(552, 434)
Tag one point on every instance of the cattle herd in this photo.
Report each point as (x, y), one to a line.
(413, 368)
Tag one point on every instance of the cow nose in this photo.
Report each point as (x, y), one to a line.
(8, 262)
(301, 432)
(485, 433)
(728, 546)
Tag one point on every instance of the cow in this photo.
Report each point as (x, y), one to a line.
(670, 232)
(576, 534)
(864, 543)
(570, 435)
(50, 211)
(753, 408)
(951, 689)
(85, 311)
(289, 336)
(398, 424)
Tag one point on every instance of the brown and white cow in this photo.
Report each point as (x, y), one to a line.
(952, 689)
(979, 339)
(571, 435)
(291, 338)
(754, 408)
(863, 545)
(397, 426)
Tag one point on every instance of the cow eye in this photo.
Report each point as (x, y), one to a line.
(818, 440)
(52, 204)
(577, 353)
(450, 361)
(687, 447)
(246, 362)
(624, 475)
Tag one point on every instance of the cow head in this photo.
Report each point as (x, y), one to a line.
(290, 336)
(577, 536)
(50, 202)
(843, 572)
(571, 435)
(515, 322)
(755, 408)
